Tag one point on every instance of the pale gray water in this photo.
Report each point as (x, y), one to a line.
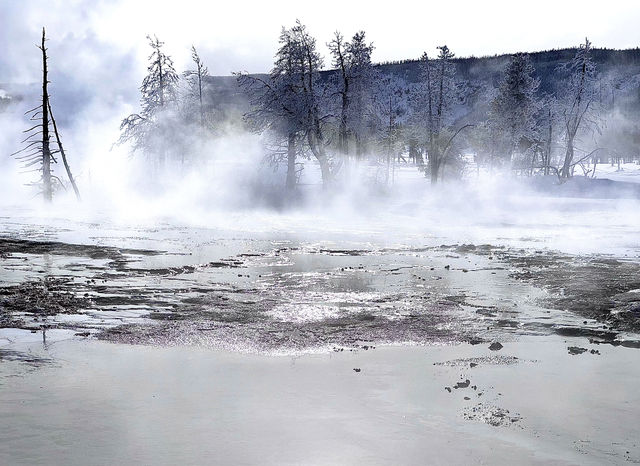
(213, 306)
(102, 403)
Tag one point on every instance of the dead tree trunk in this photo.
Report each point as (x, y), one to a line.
(46, 151)
(63, 154)
(200, 95)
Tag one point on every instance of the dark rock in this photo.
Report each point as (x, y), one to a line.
(630, 344)
(495, 346)
(464, 384)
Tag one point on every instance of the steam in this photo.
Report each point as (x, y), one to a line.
(227, 186)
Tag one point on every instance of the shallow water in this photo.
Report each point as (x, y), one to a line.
(237, 342)
(529, 403)
(289, 285)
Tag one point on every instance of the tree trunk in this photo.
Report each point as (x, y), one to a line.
(291, 162)
(433, 165)
(325, 171)
(316, 143)
(568, 158)
(342, 132)
(200, 95)
(46, 152)
(547, 160)
(163, 147)
(63, 155)
(434, 158)
(359, 147)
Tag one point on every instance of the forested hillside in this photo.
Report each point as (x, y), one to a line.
(553, 113)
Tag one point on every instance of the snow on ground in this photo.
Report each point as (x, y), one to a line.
(629, 172)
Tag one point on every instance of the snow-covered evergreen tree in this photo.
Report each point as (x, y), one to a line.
(150, 129)
(514, 110)
(293, 100)
(392, 107)
(434, 108)
(355, 80)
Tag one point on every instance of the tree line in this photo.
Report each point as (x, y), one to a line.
(361, 112)
(358, 114)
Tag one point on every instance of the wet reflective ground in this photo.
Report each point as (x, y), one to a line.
(512, 346)
(183, 286)
(531, 402)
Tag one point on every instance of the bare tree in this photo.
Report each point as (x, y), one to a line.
(292, 101)
(310, 94)
(391, 110)
(46, 150)
(579, 99)
(547, 135)
(274, 102)
(37, 150)
(343, 76)
(196, 80)
(354, 81)
(439, 91)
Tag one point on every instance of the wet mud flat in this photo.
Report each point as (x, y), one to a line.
(293, 296)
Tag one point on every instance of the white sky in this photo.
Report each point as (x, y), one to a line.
(242, 35)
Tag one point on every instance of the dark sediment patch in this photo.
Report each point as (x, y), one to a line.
(195, 309)
(254, 333)
(26, 357)
(624, 343)
(185, 269)
(45, 297)
(595, 287)
(13, 245)
(345, 252)
(474, 362)
(464, 384)
(492, 415)
(495, 346)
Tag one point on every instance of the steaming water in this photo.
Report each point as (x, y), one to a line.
(342, 276)
(357, 268)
